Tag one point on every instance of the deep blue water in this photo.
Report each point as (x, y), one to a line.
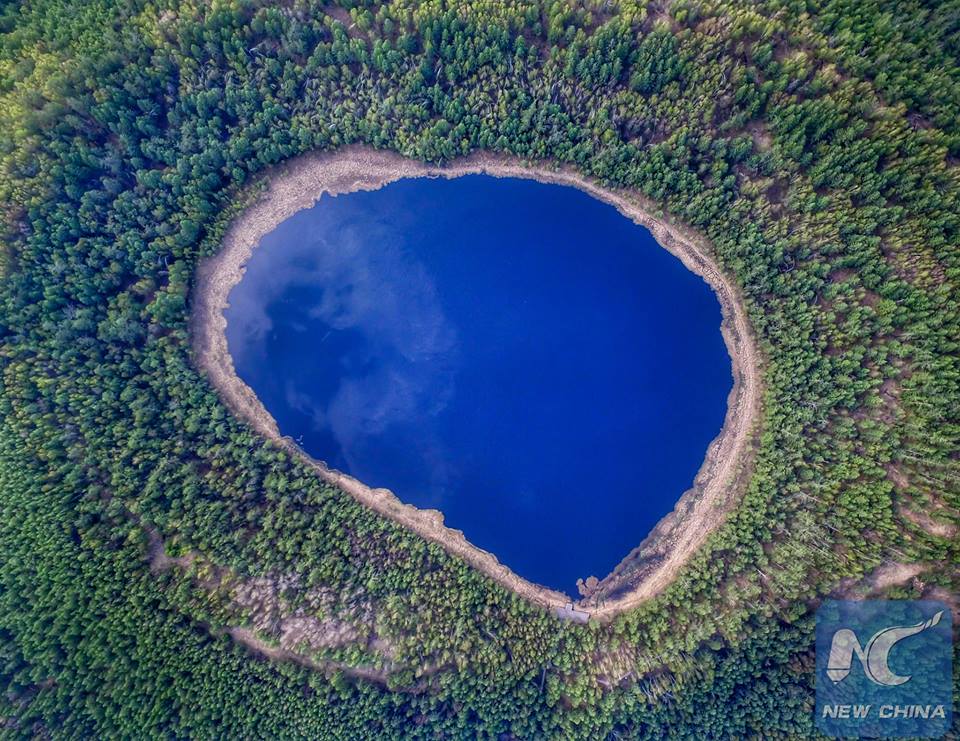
(517, 355)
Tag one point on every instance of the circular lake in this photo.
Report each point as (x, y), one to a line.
(518, 355)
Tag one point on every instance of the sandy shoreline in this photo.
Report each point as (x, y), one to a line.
(652, 565)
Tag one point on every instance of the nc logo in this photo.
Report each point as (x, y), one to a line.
(873, 658)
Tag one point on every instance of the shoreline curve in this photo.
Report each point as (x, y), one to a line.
(651, 566)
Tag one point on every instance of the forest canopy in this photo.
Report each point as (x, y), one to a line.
(156, 550)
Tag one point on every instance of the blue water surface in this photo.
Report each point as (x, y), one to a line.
(517, 355)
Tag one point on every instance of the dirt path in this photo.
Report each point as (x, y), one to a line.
(656, 562)
(248, 638)
(159, 561)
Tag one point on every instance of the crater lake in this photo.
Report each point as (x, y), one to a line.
(518, 355)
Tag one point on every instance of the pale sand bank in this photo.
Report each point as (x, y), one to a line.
(652, 565)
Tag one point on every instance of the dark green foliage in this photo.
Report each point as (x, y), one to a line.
(814, 151)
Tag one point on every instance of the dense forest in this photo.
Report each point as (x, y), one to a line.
(167, 573)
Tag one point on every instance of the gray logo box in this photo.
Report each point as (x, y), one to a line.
(884, 668)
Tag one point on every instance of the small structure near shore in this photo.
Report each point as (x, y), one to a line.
(569, 612)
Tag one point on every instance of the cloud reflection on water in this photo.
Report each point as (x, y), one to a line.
(403, 353)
